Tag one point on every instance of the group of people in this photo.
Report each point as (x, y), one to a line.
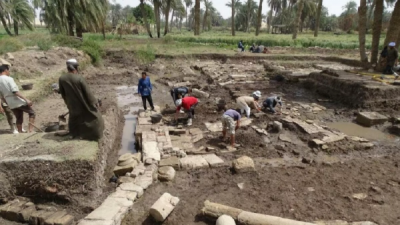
(85, 120)
(254, 48)
(390, 60)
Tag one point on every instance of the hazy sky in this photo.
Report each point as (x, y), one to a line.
(334, 6)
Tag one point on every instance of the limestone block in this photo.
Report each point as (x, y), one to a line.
(151, 151)
(213, 160)
(195, 131)
(197, 137)
(122, 170)
(243, 164)
(66, 220)
(130, 195)
(144, 181)
(96, 222)
(200, 94)
(131, 188)
(57, 215)
(163, 207)
(110, 209)
(212, 209)
(277, 126)
(139, 170)
(370, 118)
(193, 162)
(166, 173)
(172, 161)
(44, 216)
(25, 214)
(11, 211)
(125, 179)
(249, 218)
(225, 220)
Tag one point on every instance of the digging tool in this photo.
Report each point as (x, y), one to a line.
(62, 117)
(36, 127)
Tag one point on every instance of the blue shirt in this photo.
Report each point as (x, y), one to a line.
(144, 86)
(233, 113)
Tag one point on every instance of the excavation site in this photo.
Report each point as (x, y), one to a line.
(328, 156)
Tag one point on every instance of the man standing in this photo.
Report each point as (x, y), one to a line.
(188, 104)
(228, 123)
(246, 103)
(84, 120)
(4, 109)
(15, 100)
(144, 90)
(391, 60)
(271, 102)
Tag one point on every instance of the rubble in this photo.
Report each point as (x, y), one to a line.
(166, 173)
(243, 164)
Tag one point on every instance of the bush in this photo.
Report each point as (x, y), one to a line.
(146, 55)
(168, 39)
(67, 41)
(94, 50)
(45, 44)
(10, 45)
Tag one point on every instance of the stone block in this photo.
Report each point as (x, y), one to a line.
(370, 118)
(243, 164)
(166, 173)
(139, 170)
(110, 209)
(144, 121)
(225, 220)
(44, 216)
(26, 213)
(173, 161)
(130, 195)
(197, 138)
(131, 188)
(317, 142)
(66, 220)
(56, 215)
(194, 131)
(161, 209)
(125, 179)
(11, 211)
(193, 162)
(122, 170)
(144, 181)
(213, 160)
(200, 94)
(277, 126)
(161, 139)
(96, 222)
(151, 151)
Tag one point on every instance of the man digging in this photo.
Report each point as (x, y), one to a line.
(246, 103)
(271, 102)
(188, 104)
(180, 92)
(9, 92)
(228, 124)
(85, 120)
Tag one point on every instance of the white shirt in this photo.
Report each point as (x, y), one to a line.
(7, 87)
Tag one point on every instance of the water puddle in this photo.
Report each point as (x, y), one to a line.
(126, 99)
(353, 129)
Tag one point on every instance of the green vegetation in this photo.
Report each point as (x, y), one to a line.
(10, 45)
(145, 54)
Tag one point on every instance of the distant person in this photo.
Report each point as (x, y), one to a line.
(180, 92)
(384, 54)
(18, 104)
(265, 51)
(144, 90)
(252, 48)
(241, 46)
(246, 103)
(392, 61)
(271, 102)
(188, 104)
(85, 120)
(230, 122)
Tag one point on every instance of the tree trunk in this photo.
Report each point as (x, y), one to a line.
(187, 21)
(316, 28)
(70, 18)
(269, 21)
(259, 18)
(145, 18)
(205, 19)
(4, 22)
(233, 18)
(79, 30)
(248, 20)
(298, 19)
(167, 17)
(197, 18)
(103, 29)
(398, 42)
(362, 26)
(16, 27)
(394, 25)
(171, 24)
(158, 19)
(376, 30)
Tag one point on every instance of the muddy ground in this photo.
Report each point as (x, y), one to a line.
(283, 185)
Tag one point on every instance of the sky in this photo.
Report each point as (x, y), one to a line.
(334, 6)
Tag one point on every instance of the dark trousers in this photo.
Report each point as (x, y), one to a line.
(388, 70)
(19, 113)
(149, 99)
(190, 112)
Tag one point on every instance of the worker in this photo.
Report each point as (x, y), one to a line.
(253, 48)
(85, 120)
(144, 90)
(241, 46)
(246, 103)
(188, 104)
(391, 60)
(4, 109)
(180, 92)
(228, 123)
(271, 102)
(14, 99)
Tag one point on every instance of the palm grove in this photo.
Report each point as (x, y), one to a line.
(73, 17)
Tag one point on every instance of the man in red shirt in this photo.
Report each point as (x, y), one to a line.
(188, 104)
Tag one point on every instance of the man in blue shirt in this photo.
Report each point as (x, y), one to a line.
(144, 90)
(228, 123)
(241, 46)
(271, 102)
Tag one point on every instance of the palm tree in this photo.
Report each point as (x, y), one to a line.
(208, 5)
(298, 18)
(197, 18)
(394, 25)
(3, 13)
(362, 26)
(145, 18)
(277, 6)
(233, 4)
(188, 3)
(259, 17)
(157, 5)
(318, 18)
(166, 13)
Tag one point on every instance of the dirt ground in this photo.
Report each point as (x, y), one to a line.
(293, 179)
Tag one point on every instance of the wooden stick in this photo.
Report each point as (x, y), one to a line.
(36, 127)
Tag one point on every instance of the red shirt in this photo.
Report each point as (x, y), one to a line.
(187, 102)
